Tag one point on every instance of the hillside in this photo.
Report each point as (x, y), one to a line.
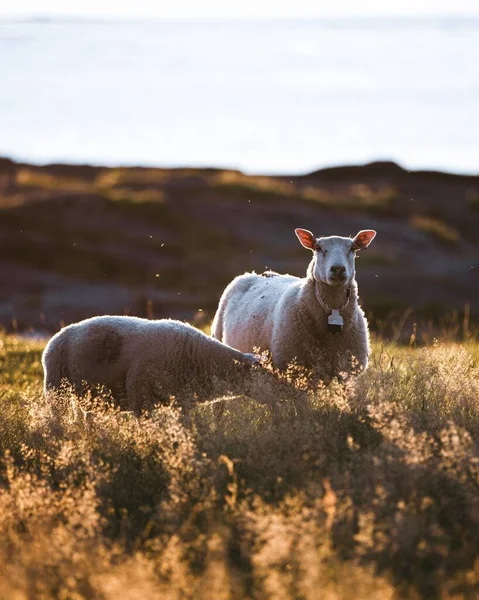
(81, 240)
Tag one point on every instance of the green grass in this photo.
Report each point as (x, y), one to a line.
(368, 490)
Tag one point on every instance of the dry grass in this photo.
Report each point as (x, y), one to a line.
(354, 197)
(144, 176)
(358, 196)
(105, 185)
(436, 228)
(253, 186)
(368, 490)
(143, 185)
(28, 178)
(125, 194)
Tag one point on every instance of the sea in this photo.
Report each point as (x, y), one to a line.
(267, 96)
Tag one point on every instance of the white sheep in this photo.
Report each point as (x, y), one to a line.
(315, 321)
(140, 362)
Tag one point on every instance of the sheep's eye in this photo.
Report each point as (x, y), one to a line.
(353, 249)
(319, 249)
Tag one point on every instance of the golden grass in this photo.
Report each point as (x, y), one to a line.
(125, 194)
(143, 185)
(107, 185)
(11, 200)
(28, 178)
(144, 176)
(253, 185)
(364, 490)
(357, 196)
(114, 177)
(368, 198)
(436, 228)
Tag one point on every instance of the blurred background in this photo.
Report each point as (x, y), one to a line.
(212, 131)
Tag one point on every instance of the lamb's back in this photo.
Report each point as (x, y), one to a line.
(100, 350)
(116, 340)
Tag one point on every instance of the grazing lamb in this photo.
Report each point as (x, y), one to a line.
(316, 321)
(140, 362)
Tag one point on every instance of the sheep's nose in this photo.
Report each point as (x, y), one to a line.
(338, 270)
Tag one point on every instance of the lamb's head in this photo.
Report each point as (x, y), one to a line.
(334, 256)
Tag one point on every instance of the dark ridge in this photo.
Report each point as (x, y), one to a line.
(7, 165)
(385, 170)
(442, 176)
(61, 169)
(374, 169)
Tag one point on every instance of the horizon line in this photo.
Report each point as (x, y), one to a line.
(384, 161)
(58, 17)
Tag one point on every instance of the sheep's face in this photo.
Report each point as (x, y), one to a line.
(334, 256)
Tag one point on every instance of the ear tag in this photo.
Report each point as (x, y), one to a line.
(335, 321)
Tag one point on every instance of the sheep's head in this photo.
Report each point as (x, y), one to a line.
(334, 256)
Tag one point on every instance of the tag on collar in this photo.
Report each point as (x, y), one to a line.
(335, 321)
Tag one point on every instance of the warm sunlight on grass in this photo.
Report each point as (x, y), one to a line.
(437, 229)
(27, 178)
(259, 187)
(357, 196)
(367, 490)
(124, 194)
(113, 177)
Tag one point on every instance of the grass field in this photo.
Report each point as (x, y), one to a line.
(369, 491)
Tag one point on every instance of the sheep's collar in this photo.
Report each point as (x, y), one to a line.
(335, 320)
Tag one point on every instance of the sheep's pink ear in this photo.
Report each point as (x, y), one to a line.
(364, 238)
(306, 238)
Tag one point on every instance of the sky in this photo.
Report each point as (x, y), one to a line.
(234, 8)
